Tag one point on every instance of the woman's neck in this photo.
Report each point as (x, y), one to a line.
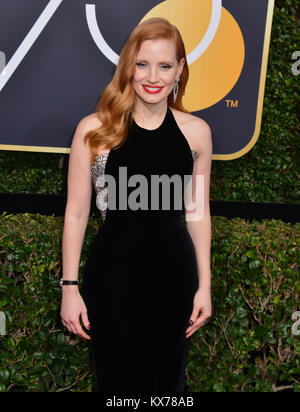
(149, 116)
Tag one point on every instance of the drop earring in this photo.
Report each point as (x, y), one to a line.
(175, 90)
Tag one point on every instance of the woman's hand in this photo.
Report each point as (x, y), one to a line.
(202, 303)
(72, 308)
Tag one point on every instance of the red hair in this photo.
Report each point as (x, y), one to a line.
(117, 102)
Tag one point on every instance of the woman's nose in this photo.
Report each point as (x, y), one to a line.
(152, 75)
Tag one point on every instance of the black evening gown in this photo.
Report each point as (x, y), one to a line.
(140, 275)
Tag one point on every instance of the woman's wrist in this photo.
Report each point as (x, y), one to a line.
(70, 289)
(204, 287)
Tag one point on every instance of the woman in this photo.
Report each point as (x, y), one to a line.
(146, 282)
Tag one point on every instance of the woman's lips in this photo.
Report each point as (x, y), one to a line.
(152, 89)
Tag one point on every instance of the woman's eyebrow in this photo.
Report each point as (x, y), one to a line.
(162, 62)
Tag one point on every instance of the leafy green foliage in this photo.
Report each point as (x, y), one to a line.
(37, 353)
(247, 345)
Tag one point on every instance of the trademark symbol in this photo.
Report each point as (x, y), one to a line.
(232, 104)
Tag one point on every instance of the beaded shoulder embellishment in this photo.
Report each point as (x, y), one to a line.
(98, 171)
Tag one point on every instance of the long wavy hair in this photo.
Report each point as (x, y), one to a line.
(116, 105)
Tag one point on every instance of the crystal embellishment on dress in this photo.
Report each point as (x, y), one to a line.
(98, 171)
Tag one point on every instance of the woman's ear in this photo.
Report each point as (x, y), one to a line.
(181, 66)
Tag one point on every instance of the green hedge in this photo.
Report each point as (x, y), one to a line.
(247, 346)
(268, 173)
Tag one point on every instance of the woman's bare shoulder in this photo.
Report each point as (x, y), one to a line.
(85, 125)
(190, 121)
(90, 122)
(195, 129)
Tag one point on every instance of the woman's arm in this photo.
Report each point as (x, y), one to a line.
(198, 222)
(75, 223)
(198, 219)
(78, 204)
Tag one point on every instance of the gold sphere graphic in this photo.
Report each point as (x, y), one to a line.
(208, 26)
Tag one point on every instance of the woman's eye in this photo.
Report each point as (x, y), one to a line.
(164, 66)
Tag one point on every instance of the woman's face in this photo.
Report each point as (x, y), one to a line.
(156, 70)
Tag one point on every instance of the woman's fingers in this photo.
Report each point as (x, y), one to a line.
(80, 332)
(85, 320)
(198, 323)
(195, 314)
(193, 318)
(75, 327)
(71, 328)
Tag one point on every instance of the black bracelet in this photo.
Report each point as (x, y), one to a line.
(68, 282)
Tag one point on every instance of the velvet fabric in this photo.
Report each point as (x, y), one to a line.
(140, 275)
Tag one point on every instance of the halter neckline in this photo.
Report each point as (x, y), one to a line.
(153, 130)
